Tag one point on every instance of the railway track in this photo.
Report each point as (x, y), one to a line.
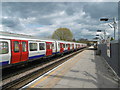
(23, 78)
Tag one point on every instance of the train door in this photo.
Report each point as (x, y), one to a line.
(24, 50)
(19, 50)
(48, 48)
(54, 47)
(68, 46)
(79, 45)
(64, 48)
(76, 46)
(82, 45)
(42, 48)
(61, 47)
(72, 46)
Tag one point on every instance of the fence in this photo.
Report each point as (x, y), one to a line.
(113, 60)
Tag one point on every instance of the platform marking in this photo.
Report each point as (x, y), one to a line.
(35, 84)
(62, 72)
(44, 75)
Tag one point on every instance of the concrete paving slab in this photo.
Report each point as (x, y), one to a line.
(85, 70)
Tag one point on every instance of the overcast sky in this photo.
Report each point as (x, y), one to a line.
(43, 18)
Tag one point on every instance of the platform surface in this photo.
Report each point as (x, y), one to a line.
(85, 70)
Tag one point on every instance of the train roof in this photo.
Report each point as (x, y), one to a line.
(9, 35)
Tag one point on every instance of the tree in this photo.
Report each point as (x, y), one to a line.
(83, 39)
(112, 38)
(74, 40)
(63, 34)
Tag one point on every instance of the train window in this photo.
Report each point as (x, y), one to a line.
(48, 46)
(24, 47)
(16, 46)
(52, 45)
(41, 46)
(72, 45)
(66, 45)
(33, 46)
(58, 45)
(4, 48)
(63, 45)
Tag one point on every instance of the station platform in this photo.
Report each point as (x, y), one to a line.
(84, 70)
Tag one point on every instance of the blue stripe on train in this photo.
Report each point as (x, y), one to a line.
(65, 50)
(55, 52)
(59, 52)
(4, 63)
(36, 56)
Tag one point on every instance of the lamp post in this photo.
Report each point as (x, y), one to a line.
(114, 24)
(100, 38)
(104, 32)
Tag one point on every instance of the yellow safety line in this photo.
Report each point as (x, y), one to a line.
(61, 73)
(35, 84)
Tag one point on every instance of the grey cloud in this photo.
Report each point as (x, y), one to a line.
(38, 10)
(12, 23)
(9, 23)
(46, 21)
(101, 9)
(27, 9)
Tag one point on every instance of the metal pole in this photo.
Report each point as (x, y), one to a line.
(114, 33)
(105, 36)
(114, 20)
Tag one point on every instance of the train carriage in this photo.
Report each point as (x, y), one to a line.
(16, 48)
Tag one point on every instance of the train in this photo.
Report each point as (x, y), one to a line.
(17, 48)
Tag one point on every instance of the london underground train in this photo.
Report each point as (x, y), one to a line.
(17, 48)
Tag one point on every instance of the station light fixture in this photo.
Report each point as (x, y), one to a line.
(99, 30)
(112, 26)
(97, 35)
(97, 38)
(104, 19)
